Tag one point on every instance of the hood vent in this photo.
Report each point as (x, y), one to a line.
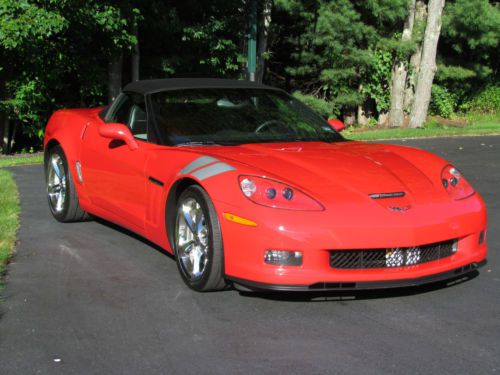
(397, 194)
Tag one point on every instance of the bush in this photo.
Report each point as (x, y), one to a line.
(320, 106)
(486, 101)
(443, 102)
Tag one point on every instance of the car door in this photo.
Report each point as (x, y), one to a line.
(114, 174)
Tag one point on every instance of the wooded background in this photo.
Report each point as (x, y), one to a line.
(364, 61)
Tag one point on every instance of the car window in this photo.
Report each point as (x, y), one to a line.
(130, 110)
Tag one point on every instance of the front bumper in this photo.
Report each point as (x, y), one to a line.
(366, 285)
(316, 234)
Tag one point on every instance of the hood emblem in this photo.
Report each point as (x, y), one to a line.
(399, 208)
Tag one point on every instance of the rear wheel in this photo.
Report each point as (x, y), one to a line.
(198, 241)
(61, 193)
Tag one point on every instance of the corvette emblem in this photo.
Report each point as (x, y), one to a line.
(399, 208)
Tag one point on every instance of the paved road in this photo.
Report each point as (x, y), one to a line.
(90, 299)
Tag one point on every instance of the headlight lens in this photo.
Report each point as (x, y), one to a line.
(276, 194)
(455, 184)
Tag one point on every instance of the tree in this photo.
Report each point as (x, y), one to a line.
(331, 47)
(264, 27)
(414, 64)
(23, 74)
(399, 73)
(427, 64)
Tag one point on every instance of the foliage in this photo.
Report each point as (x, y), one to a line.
(443, 102)
(486, 101)
(332, 44)
(378, 84)
(337, 54)
(469, 46)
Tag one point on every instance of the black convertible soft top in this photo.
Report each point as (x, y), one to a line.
(156, 85)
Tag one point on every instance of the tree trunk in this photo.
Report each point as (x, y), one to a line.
(427, 64)
(349, 116)
(399, 73)
(420, 17)
(115, 76)
(362, 112)
(362, 118)
(135, 54)
(4, 121)
(263, 39)
(4, 132)
(12, 137)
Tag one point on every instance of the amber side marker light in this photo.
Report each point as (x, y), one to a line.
(239, 220)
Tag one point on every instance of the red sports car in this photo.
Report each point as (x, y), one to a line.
(244, 184)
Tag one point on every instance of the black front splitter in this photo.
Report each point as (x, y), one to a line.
(364, 285)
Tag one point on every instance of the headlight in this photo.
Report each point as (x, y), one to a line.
(276, 194)
(455, 184)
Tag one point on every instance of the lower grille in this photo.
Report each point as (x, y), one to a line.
(388, 258)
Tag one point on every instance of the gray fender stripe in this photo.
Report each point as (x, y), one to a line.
(197, 163)
(212, 170)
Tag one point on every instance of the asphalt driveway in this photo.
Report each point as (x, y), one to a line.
(89, 298)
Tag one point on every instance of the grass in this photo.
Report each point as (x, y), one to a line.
(14, 160)
(9, 205)
(477, 125)
(9, 217)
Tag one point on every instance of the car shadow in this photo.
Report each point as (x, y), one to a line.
(323, 296)
(133, 235)
(315, 296)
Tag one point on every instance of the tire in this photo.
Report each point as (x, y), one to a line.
(198, 241)
(61, 193)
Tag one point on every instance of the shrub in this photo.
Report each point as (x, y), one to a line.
(443, 102)
(486, 101)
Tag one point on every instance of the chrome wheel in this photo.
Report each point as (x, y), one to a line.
(56, 182)
(192, 238)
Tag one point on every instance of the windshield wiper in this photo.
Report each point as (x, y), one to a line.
(208, 143)
(197, 143)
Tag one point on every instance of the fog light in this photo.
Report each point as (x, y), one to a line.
(454, 247)
(283, 258)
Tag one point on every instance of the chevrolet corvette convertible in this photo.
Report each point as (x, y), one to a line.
(245, 185)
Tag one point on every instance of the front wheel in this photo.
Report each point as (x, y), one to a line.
(198, 241)
(61, 193)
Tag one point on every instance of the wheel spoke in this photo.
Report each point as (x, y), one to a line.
(187, 218)
(55, 166)
(60, 201)
(196, 262)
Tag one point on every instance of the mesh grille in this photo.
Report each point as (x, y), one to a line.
(396, 257)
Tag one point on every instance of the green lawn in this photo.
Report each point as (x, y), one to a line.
(478, 125)
(11, 161)
(9, 217)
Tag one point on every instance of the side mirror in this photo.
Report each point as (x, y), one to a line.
(336, 124)
(119, 132)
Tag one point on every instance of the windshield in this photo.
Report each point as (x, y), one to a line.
(236, 116)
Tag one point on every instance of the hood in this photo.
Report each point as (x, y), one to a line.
(323, 169)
